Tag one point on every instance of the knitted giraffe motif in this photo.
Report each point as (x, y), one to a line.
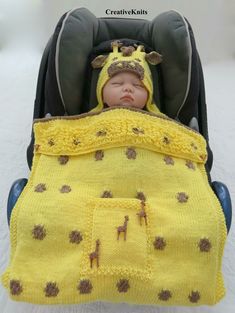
(142, 213)
(95, 254)
(123, 228)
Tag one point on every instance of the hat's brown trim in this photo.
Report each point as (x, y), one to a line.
(120, 66)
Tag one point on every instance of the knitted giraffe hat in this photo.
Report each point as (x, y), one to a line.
(128, 59)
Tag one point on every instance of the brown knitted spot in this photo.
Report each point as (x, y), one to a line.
(182, 197)
(193, 146)
(39, 232)
(63, 159)
(36, 147)
(123, 285)
(51, 289)
(203, 157)
(85, 286)
(76, 142)
(101, 133)
(138, 60)
(15, 287)
(168, 160)
(40, 188)
(99, 154)
(131, 153)
(190, 165)
(107, 194)
(204, 245)
(164, 295)
(194, 296)
(115, 58)
(75, 237)
(166, 140)
(141, 196)
(51, 142)
(137, 130)
(159, 243)
(65, 189)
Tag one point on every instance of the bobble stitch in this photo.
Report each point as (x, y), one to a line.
(51, 142)
(203, 157)
(101, 133)
(166, 140)
(137, 130)
(193, 146)
(36, 147)
(76, 141)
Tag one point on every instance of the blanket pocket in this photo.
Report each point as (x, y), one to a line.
(119, 237)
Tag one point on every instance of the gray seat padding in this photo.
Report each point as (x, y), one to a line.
(81, 31)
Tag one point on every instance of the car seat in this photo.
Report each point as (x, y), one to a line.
(66, 81)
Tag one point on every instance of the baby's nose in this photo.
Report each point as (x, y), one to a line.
(128, 87)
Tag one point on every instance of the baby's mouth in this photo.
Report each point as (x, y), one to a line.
(127, 98)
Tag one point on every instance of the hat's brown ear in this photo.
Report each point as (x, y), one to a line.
(153, 58)
(99, 61)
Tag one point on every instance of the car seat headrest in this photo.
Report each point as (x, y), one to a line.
(70, 81)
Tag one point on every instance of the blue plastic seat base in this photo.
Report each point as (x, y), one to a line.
(15, 191)
(223, 195)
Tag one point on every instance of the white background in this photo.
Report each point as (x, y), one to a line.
(25, 27)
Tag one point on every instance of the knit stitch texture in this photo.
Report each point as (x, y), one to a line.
(117, 208)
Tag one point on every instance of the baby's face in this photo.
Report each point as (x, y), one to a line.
(127, 89)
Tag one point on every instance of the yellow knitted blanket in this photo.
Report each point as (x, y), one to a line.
(117, 208)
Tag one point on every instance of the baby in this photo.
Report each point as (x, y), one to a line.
(125, 78)
(125, 89)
